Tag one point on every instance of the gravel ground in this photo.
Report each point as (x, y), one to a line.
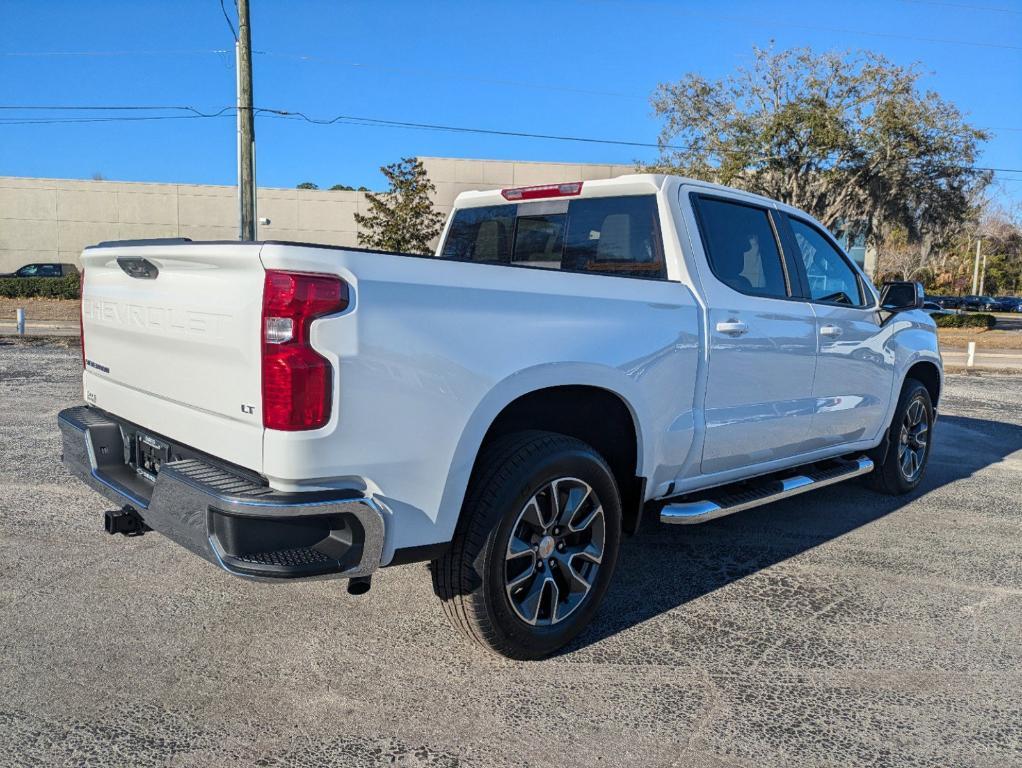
(838, 628)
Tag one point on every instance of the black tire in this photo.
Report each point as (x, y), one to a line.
(472, 578)
(891, 475)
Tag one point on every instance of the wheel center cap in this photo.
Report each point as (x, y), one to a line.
(546, 546)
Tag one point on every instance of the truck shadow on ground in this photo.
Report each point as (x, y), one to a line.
(663, 566)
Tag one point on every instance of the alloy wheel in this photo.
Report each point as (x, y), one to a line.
(913, 440)
(554, 552)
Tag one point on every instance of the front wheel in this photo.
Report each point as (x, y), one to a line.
(535, 547)
(901, 462)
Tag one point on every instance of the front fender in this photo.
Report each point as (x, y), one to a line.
(913, 338)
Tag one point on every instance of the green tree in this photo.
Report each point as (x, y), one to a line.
(848, 137)
(1002, 242)
(307, 185)
(341, 188)
(402, 218)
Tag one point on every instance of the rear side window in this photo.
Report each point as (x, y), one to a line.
(614, 236)
(607, 235)
(481, 234)
(742, 247)
(830, 277)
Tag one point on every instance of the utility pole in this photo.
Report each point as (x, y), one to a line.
(982, 275)
(246, 128)
(975, 270)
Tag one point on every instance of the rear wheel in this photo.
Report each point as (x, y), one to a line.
(535, 547)
(900, 463)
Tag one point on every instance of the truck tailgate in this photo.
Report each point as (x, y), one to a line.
(172, 342)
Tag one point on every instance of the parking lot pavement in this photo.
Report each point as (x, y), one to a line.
(837, 628)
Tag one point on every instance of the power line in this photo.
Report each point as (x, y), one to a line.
(372, 121)
(357, 120)
(168, 52)
(230, 23)
(459, 129)
(58, 120)
(112, 108)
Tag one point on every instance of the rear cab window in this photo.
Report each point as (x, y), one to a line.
(600, 235)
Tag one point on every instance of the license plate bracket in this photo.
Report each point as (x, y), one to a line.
(150, 453)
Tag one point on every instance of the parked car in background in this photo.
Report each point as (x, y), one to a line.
(995, 304)
(44, 270)
(933, 308)
(984, 304)
(1010, 303)
(574, 354)
(947, 302)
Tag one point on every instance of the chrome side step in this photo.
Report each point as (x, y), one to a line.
(692, 512)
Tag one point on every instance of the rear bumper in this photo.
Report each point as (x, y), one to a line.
(223, 516)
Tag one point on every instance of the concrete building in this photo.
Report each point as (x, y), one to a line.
(54, 219)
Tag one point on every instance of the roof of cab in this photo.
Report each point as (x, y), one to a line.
(626, 184)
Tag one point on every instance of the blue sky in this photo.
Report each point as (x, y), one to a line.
(570, 68)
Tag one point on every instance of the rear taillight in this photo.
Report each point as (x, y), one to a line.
(570, 189)
(81, 312)
(296, 378)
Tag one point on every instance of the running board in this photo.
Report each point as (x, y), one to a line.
(692, 512)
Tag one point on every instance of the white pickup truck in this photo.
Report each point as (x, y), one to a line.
(573, 355)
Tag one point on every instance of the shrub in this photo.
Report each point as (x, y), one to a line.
(40, 287)
(971, 320)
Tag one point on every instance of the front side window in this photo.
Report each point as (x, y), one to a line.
(831, 279)
(29, 270)
(742, 248)
(605, 235)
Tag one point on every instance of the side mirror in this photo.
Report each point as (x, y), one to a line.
(901, 296)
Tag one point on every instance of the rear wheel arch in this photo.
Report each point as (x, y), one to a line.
(596, 416)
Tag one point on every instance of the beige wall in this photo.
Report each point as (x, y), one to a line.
(54, 219)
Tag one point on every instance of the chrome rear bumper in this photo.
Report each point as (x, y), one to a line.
(222, 515)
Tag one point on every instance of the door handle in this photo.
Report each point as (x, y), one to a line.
(732, 327)
(830, 330)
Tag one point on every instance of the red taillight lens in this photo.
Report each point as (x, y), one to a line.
(81, 312)
(296, 378)
(570, 189)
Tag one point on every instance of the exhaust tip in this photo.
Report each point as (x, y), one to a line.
(359, 585)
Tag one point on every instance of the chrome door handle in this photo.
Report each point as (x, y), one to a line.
(830, 330)
(732, 327)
